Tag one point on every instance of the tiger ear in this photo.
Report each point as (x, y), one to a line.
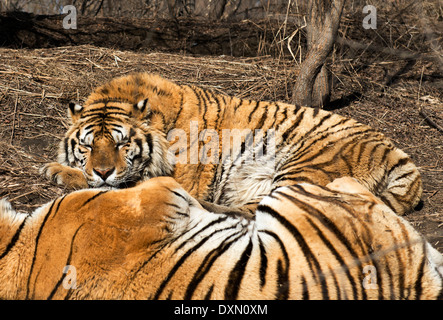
(74, 111)
(142, 109)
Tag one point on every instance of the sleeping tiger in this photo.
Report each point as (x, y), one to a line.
(154, 241)
(129, 131)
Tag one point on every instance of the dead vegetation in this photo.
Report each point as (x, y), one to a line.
(402, 96)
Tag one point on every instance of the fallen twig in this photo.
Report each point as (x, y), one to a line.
(429, 120)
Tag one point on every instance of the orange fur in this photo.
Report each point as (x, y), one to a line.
(312, 145)
(154, 241)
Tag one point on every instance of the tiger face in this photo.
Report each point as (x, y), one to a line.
(110, 144)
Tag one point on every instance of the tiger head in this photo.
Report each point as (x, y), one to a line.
(114, 143)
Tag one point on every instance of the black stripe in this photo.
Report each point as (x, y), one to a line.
(117, 130)
(205, 99)
(237, 273)
(400, 163)
(401, 262)
(208, 226)
(387, 202)
(309, 256)
(440, 294)
(381, 144)
(150, 142)
(314, 128)
(88, 127)
(285, 177)
(303, 150)
(104, 108)
(117, 125)
(295, 160)
(107, 100)
(277, 109)
(283, 284)
(73, 143)
(174, 122)
(143, 107)
(256, 106)
(180, 262)
(93, 198)
(219, 105)
(102, 115)
(85, 135)
(68, 262)
(305, 289)
(404, 175)
(299, 117)
(66, 148)
(172, 205)
(419, 281)
(329, 224)
(263, 264)
(14, 238)
(177, 194)
(210, 258)
(199, 102)
(391, 285)
(162, 116)
(36, 245)
(139, 143)
(283, 120)
(135, 273)
(240, 103)
(315, 113)
(337, 285)
(339, 258)
(332, 227)
(263, 118)
(209, 293)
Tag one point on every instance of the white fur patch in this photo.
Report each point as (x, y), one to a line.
(435, 259)
(8, 216)
(78, 108)
(250, 182)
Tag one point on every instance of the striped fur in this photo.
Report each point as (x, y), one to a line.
(311, 145)
(155, 241)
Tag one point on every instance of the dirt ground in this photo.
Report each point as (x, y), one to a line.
(403, 98)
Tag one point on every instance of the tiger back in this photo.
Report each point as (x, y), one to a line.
(223, 150)
(155, 241)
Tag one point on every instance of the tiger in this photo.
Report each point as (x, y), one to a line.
(155, 241)
(128, 131)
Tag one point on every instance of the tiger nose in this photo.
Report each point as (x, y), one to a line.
(104, 173)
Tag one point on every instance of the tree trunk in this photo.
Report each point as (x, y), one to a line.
(312, 87)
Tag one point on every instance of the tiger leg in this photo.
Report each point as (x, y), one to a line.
(63, 175)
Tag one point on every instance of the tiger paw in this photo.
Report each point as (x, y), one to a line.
(63, 175)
